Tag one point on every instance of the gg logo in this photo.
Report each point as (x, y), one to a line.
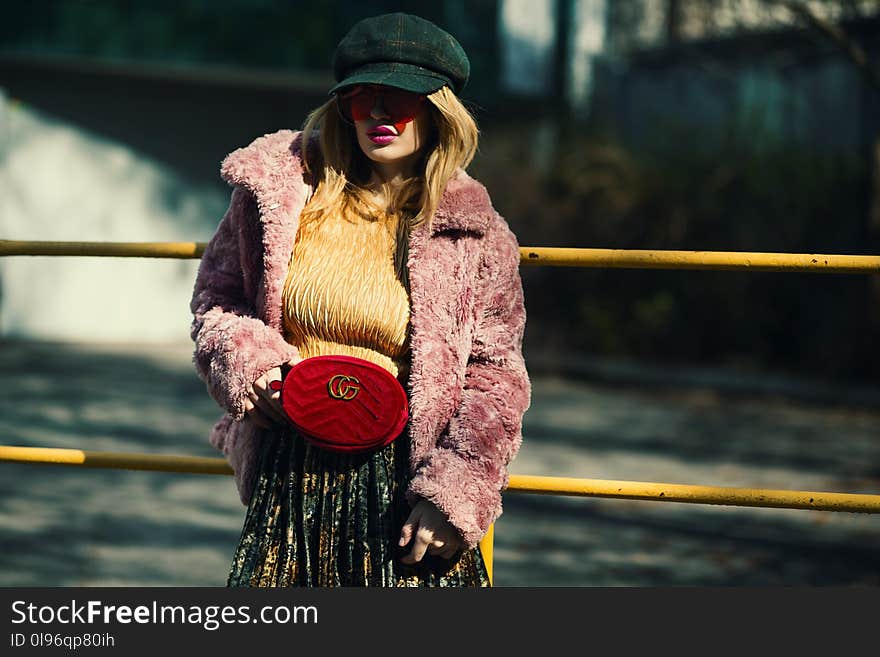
(343, 386)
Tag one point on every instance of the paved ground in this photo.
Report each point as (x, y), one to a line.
(65, 526)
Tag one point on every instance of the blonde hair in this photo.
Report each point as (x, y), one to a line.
(340, 174)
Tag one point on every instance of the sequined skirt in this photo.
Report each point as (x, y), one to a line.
(321, 518)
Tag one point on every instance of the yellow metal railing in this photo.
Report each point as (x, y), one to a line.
(560, 257)
(631, 490)
(531, 255)
(185, 250)
(706, 260)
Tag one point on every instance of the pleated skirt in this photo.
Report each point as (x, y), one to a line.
(326, 519)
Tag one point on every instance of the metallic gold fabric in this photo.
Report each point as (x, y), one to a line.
(320, 518)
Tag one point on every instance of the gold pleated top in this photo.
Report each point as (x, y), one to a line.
(342, 294)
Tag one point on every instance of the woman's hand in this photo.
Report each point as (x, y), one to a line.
(263, 405)
(430, 532)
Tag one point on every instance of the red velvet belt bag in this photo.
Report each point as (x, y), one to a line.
(343, 403)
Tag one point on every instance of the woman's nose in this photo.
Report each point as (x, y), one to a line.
(378, 111)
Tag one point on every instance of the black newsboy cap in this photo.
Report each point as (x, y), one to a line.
(400, 50)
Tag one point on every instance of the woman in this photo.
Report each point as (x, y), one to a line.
(363, 236)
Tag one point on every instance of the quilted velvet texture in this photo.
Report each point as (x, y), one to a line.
(343, 403)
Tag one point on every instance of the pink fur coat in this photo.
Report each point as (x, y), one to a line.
(468, 387)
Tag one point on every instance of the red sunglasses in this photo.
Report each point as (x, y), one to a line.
(357, 104)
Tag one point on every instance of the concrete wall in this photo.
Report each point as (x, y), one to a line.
(91, 152)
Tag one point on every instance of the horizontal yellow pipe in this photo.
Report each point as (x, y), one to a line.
(709, 260)
(116, 460)
(531, 255)
(106, 249)
(633, 490)
(642, 490)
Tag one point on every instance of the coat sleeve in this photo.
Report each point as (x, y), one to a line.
(467, 470)
(233, 346)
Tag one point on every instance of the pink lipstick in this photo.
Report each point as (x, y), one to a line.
(381, 135)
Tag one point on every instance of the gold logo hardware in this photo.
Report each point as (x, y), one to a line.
(343, 386)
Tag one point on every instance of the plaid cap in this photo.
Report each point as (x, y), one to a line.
(400, 50)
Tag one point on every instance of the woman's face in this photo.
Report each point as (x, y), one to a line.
(388, 138)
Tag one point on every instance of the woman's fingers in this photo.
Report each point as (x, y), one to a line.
(256, 415)
(448, 551)
(444, 549)
(271, 410)
(261, 385)
(255, 407)
(268, 400)
(430, 532)
(421, 537)
(411, 524)
(420, 545)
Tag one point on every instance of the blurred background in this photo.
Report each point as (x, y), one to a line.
(732, 125)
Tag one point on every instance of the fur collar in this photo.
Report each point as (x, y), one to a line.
(275, 159)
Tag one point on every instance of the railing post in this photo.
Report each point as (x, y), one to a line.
(486, 549)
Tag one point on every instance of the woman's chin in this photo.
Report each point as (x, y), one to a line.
(384, 152)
